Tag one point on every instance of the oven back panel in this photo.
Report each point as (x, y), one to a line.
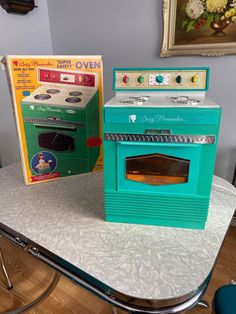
(161, 79)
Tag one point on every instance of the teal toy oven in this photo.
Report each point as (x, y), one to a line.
(159, 170)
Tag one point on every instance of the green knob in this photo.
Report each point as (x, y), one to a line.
(159, 79)
(179, 79)
(140, 79)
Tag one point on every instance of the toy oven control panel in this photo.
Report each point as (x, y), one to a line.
(161, 79)
(53, 76)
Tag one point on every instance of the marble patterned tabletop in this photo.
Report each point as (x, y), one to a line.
(66, 217)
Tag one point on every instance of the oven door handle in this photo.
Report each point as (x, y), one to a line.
(56, 127)
(164, 145)
(161, 139)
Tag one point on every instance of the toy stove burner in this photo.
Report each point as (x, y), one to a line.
(140, 98)
(42, 96)
(53, 91)
(135, 100)
(185, 100)
(75, 93)
(73, 100)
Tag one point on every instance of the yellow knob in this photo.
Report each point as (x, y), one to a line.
(195, 79)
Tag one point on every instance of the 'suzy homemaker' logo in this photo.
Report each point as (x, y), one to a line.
(161, 118)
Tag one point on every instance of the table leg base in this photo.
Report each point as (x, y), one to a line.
(203, 304)
(7, 278)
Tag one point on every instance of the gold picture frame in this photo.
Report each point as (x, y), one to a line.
(204, 42)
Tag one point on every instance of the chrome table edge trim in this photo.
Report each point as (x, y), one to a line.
(122, 301)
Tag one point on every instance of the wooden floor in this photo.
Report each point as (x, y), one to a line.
(30, 277)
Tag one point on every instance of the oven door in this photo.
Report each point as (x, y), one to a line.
(56, 138)
(158, 167)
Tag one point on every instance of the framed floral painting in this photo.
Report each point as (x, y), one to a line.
(199, 27)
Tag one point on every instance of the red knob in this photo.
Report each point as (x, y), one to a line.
(126, 79)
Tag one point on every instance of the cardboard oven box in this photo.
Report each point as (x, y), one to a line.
(57, 104)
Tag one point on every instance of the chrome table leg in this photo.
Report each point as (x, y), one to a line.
(8, 281)
(114, 310)
(41, 298)
(203, 304)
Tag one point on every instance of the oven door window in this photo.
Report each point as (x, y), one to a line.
(168, 168)
(56, 141)
(157, 169)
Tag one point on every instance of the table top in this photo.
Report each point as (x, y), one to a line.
(66, 217)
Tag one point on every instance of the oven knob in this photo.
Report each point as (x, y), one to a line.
(179, 79)
(141, 79)
(87, 79)
(126, 79)
(194, 79)
(159, 79)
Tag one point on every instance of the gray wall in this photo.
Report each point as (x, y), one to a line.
(19, 34)
(126, 33)
(129, 33)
